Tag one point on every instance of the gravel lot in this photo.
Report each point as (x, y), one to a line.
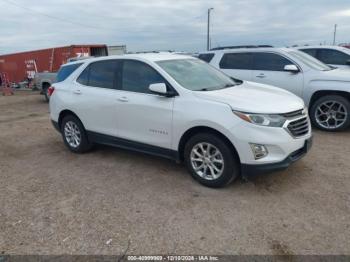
(112, 201)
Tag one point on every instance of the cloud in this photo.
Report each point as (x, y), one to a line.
(341, 13)
(165, 24)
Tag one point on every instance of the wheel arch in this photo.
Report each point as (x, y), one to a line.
(321, 93)
(65, 113)
(45, 84)
(203, 129)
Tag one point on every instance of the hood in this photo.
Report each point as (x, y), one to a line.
(255, 98)
(338, 74)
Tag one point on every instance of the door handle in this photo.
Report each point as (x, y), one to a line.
(261, 76)
(123, 99)
(77, 92)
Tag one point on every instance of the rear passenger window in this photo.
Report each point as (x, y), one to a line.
(65, 71)
(206, 57)
(137, 76)
(270, 62)
(84, 77)
(102, 74)
(236, 61)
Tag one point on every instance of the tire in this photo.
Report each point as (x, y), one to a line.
(230, 169)
(331, 107)
(45, 92)
(70, 123)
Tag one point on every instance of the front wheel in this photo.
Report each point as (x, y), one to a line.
(331, 113)
(210, 160)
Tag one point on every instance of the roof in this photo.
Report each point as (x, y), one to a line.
(240, 46)
(154, 57)
(322, 46)
(241, 50)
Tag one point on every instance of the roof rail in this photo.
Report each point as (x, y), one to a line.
(239, 46)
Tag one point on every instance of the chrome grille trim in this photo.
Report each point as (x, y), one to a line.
(298, 127)
(294, 113)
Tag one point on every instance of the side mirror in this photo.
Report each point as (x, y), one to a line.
(347, 62)
(159, 89)
(291, 68)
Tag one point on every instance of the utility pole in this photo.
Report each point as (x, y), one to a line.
(335, 33)
(208, 32)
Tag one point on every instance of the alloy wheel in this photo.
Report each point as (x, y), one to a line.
(207, 161)
(331, 114)
(72, 134)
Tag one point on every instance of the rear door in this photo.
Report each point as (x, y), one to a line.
(95, 96)
(237, 65)
(142, 116)
(269, 69)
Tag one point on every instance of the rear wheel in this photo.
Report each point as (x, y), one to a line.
(331, 113)
(210, 160)
(45, 92)
(74, 135)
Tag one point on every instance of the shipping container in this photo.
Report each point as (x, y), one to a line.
(117, 50)
(23, 66)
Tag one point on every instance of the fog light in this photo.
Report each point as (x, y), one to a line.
(259, 151)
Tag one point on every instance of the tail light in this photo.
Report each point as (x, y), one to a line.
(50, 90)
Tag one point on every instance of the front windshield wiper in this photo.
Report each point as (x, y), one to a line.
(227, 86)
(237, 81)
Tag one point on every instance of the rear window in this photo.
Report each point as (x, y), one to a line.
(206, 57)
(66, 71)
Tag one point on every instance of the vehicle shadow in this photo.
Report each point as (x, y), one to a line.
(157, 166)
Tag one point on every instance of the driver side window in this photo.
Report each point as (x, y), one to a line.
(270, 62)
(137, 76)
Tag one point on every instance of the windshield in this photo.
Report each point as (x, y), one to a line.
(309, 60)
(196, 75)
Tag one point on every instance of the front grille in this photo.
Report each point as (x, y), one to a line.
(299, 127)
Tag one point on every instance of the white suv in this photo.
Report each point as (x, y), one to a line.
(325, 90)
(181, 108)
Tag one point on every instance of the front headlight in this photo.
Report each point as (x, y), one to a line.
(262, 119)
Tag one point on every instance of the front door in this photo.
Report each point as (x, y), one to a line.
(142, 116)
(269, 69)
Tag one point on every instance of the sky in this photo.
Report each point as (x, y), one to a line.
(179, 25)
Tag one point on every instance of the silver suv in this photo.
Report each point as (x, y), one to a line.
(325, 90)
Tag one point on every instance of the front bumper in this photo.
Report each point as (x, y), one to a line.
(55, 125)
(250, 169)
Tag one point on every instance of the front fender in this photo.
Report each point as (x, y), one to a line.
(324, 85)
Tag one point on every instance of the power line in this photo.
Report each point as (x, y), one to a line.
(49, 16)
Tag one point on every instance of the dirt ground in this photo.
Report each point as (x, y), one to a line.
(113, 201)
